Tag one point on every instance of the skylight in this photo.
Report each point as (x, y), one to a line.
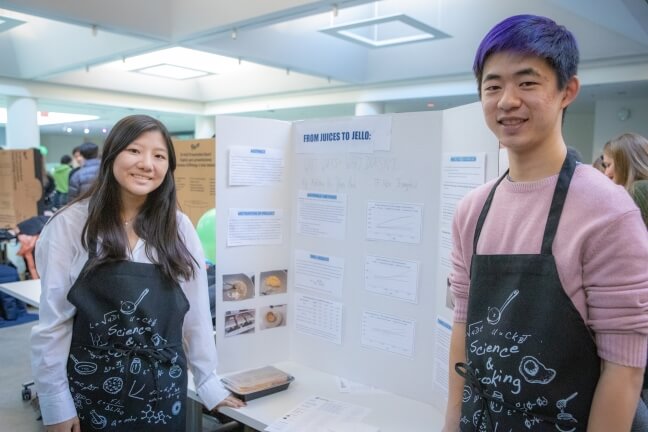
(45, 118)
(177, 63)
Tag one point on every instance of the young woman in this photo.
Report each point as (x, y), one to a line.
(124, 303)
(625, 159)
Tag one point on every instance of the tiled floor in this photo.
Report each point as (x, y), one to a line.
(16, 415)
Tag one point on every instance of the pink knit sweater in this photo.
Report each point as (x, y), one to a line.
(601, 251)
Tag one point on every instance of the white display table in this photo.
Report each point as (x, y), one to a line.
(27, 291)
(389, 412)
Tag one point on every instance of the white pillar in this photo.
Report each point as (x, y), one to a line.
(369, 108)
(204, 127)
(22, 128)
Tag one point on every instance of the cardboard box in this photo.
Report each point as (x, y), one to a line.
(21, 187)
(195, 176)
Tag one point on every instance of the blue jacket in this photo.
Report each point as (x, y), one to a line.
(83, 178)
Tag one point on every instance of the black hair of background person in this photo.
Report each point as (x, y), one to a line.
(89, 150)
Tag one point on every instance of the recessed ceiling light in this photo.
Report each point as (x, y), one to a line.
(172, 71)
(68, 130)
(86, 131)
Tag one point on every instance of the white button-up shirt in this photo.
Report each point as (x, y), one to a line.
(59, 259)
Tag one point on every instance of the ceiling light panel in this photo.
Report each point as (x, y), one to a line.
(173, 72)
(384, 31)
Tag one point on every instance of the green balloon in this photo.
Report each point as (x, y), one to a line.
(43, 150)
(206, 229)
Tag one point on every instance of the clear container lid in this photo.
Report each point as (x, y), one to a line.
(256, 380)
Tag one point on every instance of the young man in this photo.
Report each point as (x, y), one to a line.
(549, 262)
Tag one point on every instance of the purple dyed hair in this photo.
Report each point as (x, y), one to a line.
(534, 35)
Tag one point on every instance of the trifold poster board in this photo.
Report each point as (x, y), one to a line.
(195, 177)
(328, 242)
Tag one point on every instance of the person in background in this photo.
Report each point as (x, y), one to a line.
(46, 204)
(61, 174)
(77, 160)
(625, 159)
(82, 179)
(550, 325)
(124, 304)
(598, 164)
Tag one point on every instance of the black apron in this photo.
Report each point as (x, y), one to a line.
(532, 363)
(127, 368)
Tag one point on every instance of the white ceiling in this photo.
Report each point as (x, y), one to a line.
(75, 56)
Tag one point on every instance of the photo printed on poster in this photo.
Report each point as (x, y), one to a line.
(238, 286)
(272, 316)
(273, 282)
(238, 322)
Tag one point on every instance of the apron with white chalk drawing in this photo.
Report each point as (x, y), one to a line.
(127, 368)
(531, 362)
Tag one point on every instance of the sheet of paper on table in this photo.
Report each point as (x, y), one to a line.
(319, 414)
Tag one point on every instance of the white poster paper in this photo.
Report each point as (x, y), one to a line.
(318, 317)
(318, 272)
(392, 277)
(249, 166)
(388, 333)
(352, 387)
(394, 221)
(351, 135)
(460, 174)
(442, 355)
(322, 214)
(254, 227)
(318, 414)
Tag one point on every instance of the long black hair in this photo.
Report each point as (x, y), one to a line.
(156, 222)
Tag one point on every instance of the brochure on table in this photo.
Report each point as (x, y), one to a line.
(329, 232)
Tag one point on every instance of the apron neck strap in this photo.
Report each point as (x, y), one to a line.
(92, 249)
(484, 212)
(557, 204)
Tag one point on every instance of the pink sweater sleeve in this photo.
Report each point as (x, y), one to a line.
(614, 274)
